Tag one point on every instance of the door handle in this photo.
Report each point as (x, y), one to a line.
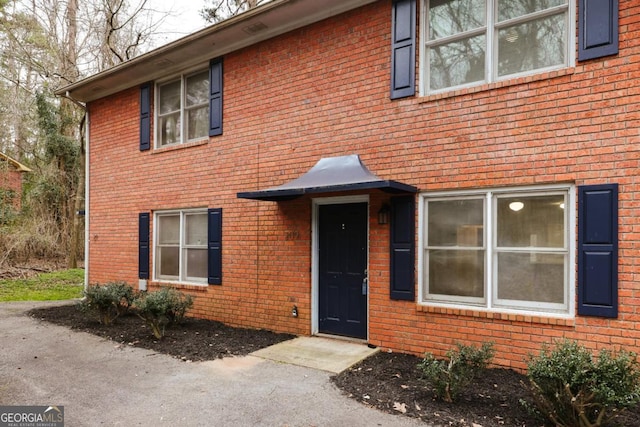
(365, 286)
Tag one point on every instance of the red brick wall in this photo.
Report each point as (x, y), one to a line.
(324, 91)
(11, 179)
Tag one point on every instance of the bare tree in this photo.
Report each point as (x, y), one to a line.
(46, 44)
(20, 39)
(70, 129)
(220, 10)
(126, 29)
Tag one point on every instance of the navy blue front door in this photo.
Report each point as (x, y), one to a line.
(342, 269)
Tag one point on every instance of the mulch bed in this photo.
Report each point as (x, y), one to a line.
(388, 381)
(191, 340)
(391, 382)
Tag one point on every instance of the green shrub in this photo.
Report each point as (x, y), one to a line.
(161, 308)
(463, 365)
(574, 390)
(107, 301)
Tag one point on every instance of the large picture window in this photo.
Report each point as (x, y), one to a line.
(498, 249)
(183, 109)
(469, 42)
(181, 246)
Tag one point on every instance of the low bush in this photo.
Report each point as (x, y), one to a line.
(161, 308)
(107, 301)
(30, 239)
(450, 376)
(574, 389)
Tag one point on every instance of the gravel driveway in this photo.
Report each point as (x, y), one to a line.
(101, 383)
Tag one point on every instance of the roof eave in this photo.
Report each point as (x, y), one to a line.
(258, 24)
(16, 164)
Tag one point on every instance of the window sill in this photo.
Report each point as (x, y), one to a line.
(540, 319)
(175, 147)
(198, 287)
(497, 85)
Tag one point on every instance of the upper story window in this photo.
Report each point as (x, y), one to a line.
(183, 109)
(187, 108)
(470, 42)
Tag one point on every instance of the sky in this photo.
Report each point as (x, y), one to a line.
(184, 18)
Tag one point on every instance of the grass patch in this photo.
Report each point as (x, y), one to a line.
(58, 285)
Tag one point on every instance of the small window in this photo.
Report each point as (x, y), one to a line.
(181, 246)
(183, 109)
(498, 249)
(470, 42)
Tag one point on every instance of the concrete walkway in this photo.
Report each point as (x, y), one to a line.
(328, 354)
(101, 383)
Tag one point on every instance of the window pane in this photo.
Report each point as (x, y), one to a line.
(196, 229)
(198, 122)
(170, 129)
(531, 277)
(448, 17)
(196, 260)
(456, 223)
(169, 261)
(532, 45)
(508, 9)
(459, 273)
(170, 97)
(457, 63)
(536, 221)
(198, 89)
(169, 230)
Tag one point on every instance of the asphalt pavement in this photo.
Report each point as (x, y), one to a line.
(101, 383)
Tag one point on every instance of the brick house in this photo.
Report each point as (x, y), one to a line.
(11, 181)
(407, 173)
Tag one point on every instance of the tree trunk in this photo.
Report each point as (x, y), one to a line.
(76, 230)
(67, 110)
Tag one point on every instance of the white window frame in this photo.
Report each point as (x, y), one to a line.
(183, 108)
(476, 301)
(490, 31)
(490, 301)
(182, 277)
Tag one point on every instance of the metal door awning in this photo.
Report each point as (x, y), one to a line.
(331, 174)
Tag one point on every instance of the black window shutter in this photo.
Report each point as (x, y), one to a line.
(597, 28)
(214, 246)
(145, 117)
(215, 97)
(143, 245)
(598, 250)
(403, 49)
(402, 248)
